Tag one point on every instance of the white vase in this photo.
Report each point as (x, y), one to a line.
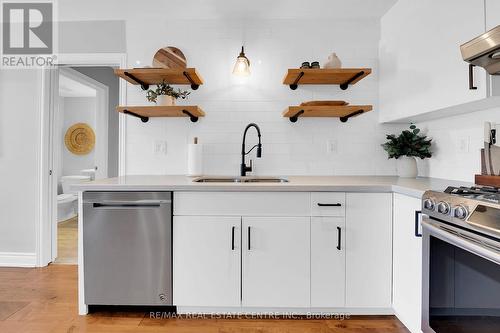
(407, 167)
(333, 61)
(165, 100)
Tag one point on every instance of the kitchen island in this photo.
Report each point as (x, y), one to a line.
(319, 244)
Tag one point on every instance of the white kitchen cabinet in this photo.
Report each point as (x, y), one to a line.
(407, 262)
(276, 259)
(421, 67)
(206, 264)
(327, 262)
(368, 250)
(492, 13)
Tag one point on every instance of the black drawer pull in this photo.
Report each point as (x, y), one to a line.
(249, 247)
(329, 205)
(339, 238)
(232, 238)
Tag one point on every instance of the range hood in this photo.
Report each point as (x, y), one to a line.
(484, 51)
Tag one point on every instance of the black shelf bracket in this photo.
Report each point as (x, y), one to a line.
(194, 86)
(191, 116)
(344, 85)
(346, 118)
(295, 83)
(144, 86)
(296, 116)
(143, 119)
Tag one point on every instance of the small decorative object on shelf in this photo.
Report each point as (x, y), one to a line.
(315, 64)
(305, 64)
(333, 62)
(405, 147)
(169, 57)
(165, 95)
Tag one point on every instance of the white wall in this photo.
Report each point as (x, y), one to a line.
(457, 145)
(76, 110)
(272, 46)
(19, 152)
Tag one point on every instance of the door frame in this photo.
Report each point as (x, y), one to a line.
(47, 203)
(101, 127)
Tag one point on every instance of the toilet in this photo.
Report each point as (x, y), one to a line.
(67, 201)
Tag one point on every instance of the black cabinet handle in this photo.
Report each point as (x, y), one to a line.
(471, 77)
(329, 205)
(417, 220)
(249, 247)
(232, 238)
(339, 237)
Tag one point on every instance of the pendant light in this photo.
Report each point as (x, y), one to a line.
(242, 66)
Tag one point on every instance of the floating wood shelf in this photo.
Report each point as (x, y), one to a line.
(147, 76)
(341, 76)
(145, 112)
(344, 112)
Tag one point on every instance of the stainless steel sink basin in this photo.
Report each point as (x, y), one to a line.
(240, 180)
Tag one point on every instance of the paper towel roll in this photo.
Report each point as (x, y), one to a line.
(195, 159)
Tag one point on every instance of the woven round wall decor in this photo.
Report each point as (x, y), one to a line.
(80, 139)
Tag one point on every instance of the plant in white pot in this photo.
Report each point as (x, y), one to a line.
(165, 95)
(405, 148)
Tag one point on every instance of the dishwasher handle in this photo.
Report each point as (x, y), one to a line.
(119, 204)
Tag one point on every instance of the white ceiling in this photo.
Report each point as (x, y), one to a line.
(72, 88)
(223, 9)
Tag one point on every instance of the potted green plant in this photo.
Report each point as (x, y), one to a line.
(405, 147)
(165, 95)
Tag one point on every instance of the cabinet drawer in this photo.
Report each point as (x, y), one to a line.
(327, 204)
(242, 203)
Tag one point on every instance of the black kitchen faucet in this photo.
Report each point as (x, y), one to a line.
(244, 168)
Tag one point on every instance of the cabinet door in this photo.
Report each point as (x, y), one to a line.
(327, 262)
(421, 67)
(368, 249)
(492, 10)
(407, 263)
(206, 264)
(276, 261)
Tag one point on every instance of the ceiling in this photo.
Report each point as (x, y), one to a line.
(223, 9)
(72, 88)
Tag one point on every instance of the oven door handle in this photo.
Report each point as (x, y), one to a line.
(462, 242)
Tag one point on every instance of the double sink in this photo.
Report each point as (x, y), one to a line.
(240, 180)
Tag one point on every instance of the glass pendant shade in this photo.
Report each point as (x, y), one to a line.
(242, 66)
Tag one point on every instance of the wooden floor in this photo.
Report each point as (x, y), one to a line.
(45, 300)
(67, 242)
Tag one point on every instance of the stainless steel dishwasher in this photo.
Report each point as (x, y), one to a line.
(127, 247)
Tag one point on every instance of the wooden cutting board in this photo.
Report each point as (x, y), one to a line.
(324, 103)
(169, 57)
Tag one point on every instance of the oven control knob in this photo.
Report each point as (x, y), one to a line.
(443, 207)
(461, 212)
(429, 204)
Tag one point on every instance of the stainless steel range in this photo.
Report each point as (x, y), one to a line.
(461, 260)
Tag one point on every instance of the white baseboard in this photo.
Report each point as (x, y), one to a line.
(17, 259)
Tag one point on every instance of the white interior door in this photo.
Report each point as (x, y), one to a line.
(207, 260)
(276, 261)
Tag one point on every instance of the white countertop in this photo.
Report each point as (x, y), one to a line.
(408, 186)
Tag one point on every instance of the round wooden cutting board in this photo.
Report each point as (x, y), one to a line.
(80, 139)
(169, 57)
